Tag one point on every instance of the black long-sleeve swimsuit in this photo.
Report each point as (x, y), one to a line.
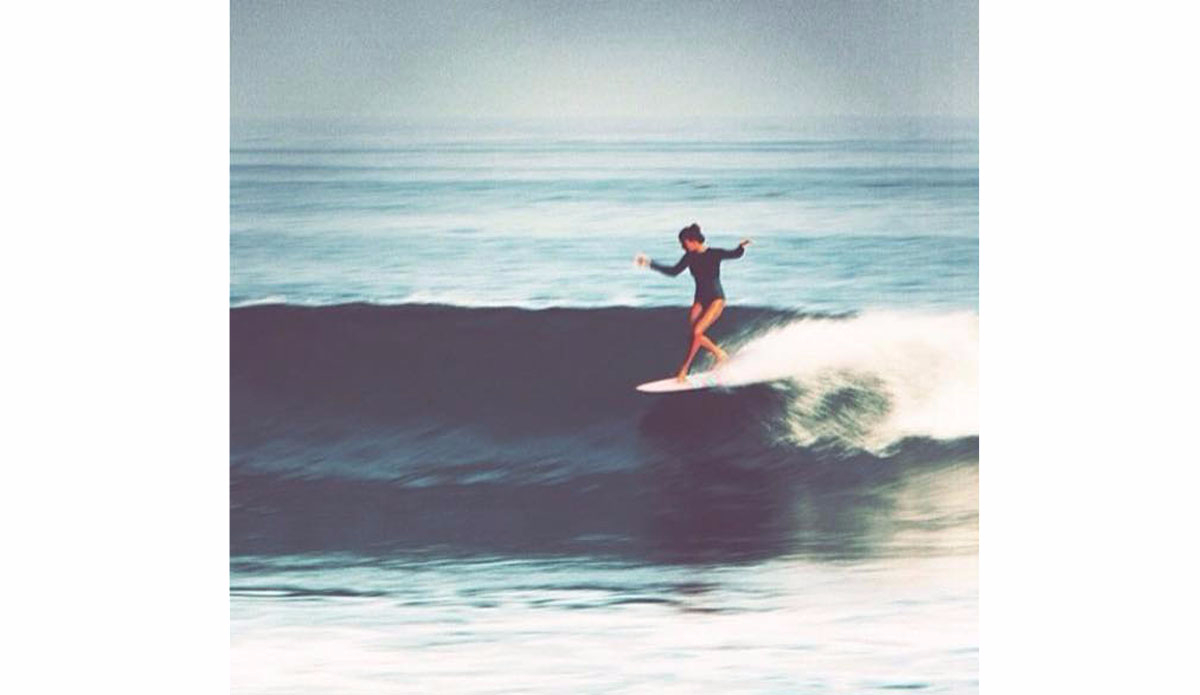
(706, 269)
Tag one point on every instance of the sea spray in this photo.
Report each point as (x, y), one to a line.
(871, 380)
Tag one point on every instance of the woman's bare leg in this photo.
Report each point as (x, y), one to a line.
(700, 325)
(707, 320)
(694, 316)
(718, 353)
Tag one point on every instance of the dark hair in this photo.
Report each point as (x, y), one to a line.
(692, 231)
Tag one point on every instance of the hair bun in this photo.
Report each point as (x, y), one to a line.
(692, 231)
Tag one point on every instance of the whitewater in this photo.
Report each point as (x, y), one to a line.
(894, 376)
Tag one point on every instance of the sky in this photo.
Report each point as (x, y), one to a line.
(561, 58)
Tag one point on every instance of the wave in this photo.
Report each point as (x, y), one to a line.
(425, 395)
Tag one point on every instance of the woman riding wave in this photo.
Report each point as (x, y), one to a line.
(709, 300)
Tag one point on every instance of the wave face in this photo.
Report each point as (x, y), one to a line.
(424, 393)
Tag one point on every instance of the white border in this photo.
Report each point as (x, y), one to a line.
(1087, 150)
(116, 504)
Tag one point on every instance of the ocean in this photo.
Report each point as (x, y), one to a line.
(442, 478)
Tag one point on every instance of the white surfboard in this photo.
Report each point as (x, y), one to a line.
(702, 380)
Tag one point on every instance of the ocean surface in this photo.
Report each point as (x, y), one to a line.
(442, 479)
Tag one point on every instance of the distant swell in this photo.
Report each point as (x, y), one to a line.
(425, 395)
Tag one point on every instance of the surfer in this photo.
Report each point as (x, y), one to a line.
(709, 301)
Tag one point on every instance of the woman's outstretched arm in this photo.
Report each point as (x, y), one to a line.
(671, 270)
(734, 253)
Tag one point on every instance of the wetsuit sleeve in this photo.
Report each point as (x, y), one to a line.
(671, 270)
(735, 253)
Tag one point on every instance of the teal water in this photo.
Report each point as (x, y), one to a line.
(537, 216)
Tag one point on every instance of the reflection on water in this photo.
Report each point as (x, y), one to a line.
(706, 509)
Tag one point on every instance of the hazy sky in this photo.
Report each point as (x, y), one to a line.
(552, 58)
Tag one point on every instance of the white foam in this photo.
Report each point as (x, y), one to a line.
(871, 380)
(259, 301)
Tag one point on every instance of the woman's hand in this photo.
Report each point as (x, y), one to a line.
(641, 260)
(744, 243)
